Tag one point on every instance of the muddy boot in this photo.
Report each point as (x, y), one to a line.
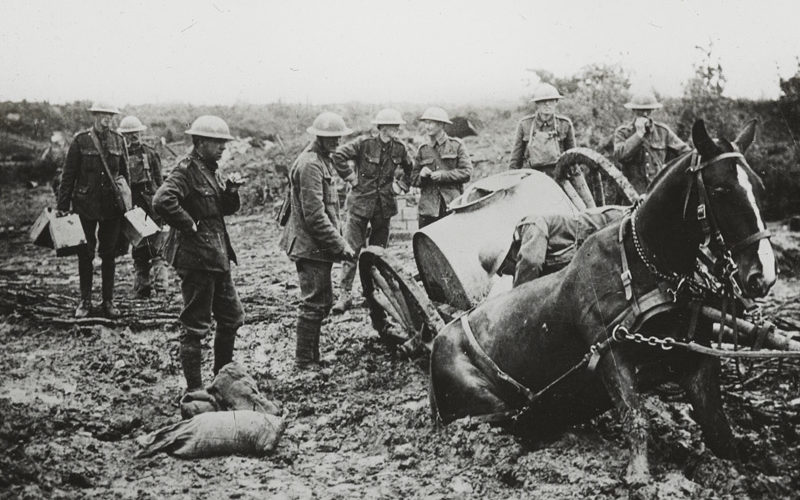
(85, 273)
(224, 341)
(107, 268)
(160, 281)
(141, 279)
(191, 361)
(307, 349)
(343, 303)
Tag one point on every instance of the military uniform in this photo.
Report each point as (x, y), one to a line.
(642, 157)
(545, 243)
(86, 189)
(311, 239)
(448, 156)
(145, 171)
(371, 201)
(195, 194)
(538, 142)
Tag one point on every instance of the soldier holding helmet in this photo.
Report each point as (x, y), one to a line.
(86, 189)
(311, 236)
(193, 200)
(643, 146)
(441, 167)
(543, 136)
(382, 170)
(145, 171)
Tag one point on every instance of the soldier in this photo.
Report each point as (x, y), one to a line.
(86, 189)
(644, 146)
(383, 169)
(441, 167)
(542, 244)
(145, 171)
(544, 135)
(311, 236)
(193, 200)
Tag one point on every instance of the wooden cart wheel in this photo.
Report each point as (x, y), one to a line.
(591, 180)
(399, 309)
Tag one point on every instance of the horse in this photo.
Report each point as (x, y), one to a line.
(557, 351)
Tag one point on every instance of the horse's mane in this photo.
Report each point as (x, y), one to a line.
(667, 168)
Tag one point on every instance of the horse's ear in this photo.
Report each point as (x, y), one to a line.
(746, 136)
(703, 142)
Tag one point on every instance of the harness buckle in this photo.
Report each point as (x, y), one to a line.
(701, 211)
(626, 283)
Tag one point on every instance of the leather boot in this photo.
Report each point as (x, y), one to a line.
(344, 303)
(224, 341)
(141, 278)
(191, 361)
(160, 280)
(107, 269)
(307, 349)
(85, 273)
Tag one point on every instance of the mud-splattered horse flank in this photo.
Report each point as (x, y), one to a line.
(490, 362)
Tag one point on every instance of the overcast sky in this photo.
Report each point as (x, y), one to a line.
(224, 51)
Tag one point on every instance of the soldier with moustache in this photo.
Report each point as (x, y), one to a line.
(311, 236)
(194, 200)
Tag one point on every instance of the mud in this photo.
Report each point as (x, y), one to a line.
(74, 398)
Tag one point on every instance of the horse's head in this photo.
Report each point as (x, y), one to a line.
(734, 194)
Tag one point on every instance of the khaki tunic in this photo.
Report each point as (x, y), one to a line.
(642, 158)
(312, 231)
(448, 156)
(538, 143)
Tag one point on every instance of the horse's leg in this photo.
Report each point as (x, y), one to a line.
(620, 382)
(702, 389)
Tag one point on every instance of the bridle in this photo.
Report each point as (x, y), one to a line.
(714, 251)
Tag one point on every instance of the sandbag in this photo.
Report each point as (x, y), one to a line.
(215, 434)
(197, 402)
(234, 389)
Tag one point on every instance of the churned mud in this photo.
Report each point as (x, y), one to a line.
(74, 398)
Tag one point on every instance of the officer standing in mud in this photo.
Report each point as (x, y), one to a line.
(644, 146)
(145, 170)
(311, 236)
(543, 136)
(441, 167)
(542, 244)
(86, 189)
(193, 200)
(382, 170)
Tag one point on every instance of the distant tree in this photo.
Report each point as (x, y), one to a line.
(703, 97)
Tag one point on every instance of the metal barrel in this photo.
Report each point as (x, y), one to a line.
(446, 252)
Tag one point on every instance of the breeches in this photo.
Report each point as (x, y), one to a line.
(105, 241)
(355, 233)
(207, 292)
(316, 291)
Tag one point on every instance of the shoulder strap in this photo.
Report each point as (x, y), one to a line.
(100, 150)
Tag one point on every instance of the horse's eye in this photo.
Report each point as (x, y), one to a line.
(720, 191)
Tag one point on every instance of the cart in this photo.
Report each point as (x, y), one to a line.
(408, 311)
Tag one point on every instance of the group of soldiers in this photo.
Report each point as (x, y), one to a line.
(195, 197)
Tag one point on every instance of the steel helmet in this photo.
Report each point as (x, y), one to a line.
(329, 124)
(436, 115)
(388, 116)
(210, 126)
(130, 124)
(546, 92)
(104, 107)
(643, 100)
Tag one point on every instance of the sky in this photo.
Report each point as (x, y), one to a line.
(320, 52)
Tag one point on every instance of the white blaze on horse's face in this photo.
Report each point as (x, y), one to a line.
(766, 256)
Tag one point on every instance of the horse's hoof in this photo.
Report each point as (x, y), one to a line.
(637, 478)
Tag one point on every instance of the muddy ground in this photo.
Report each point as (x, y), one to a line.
(73, 400)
